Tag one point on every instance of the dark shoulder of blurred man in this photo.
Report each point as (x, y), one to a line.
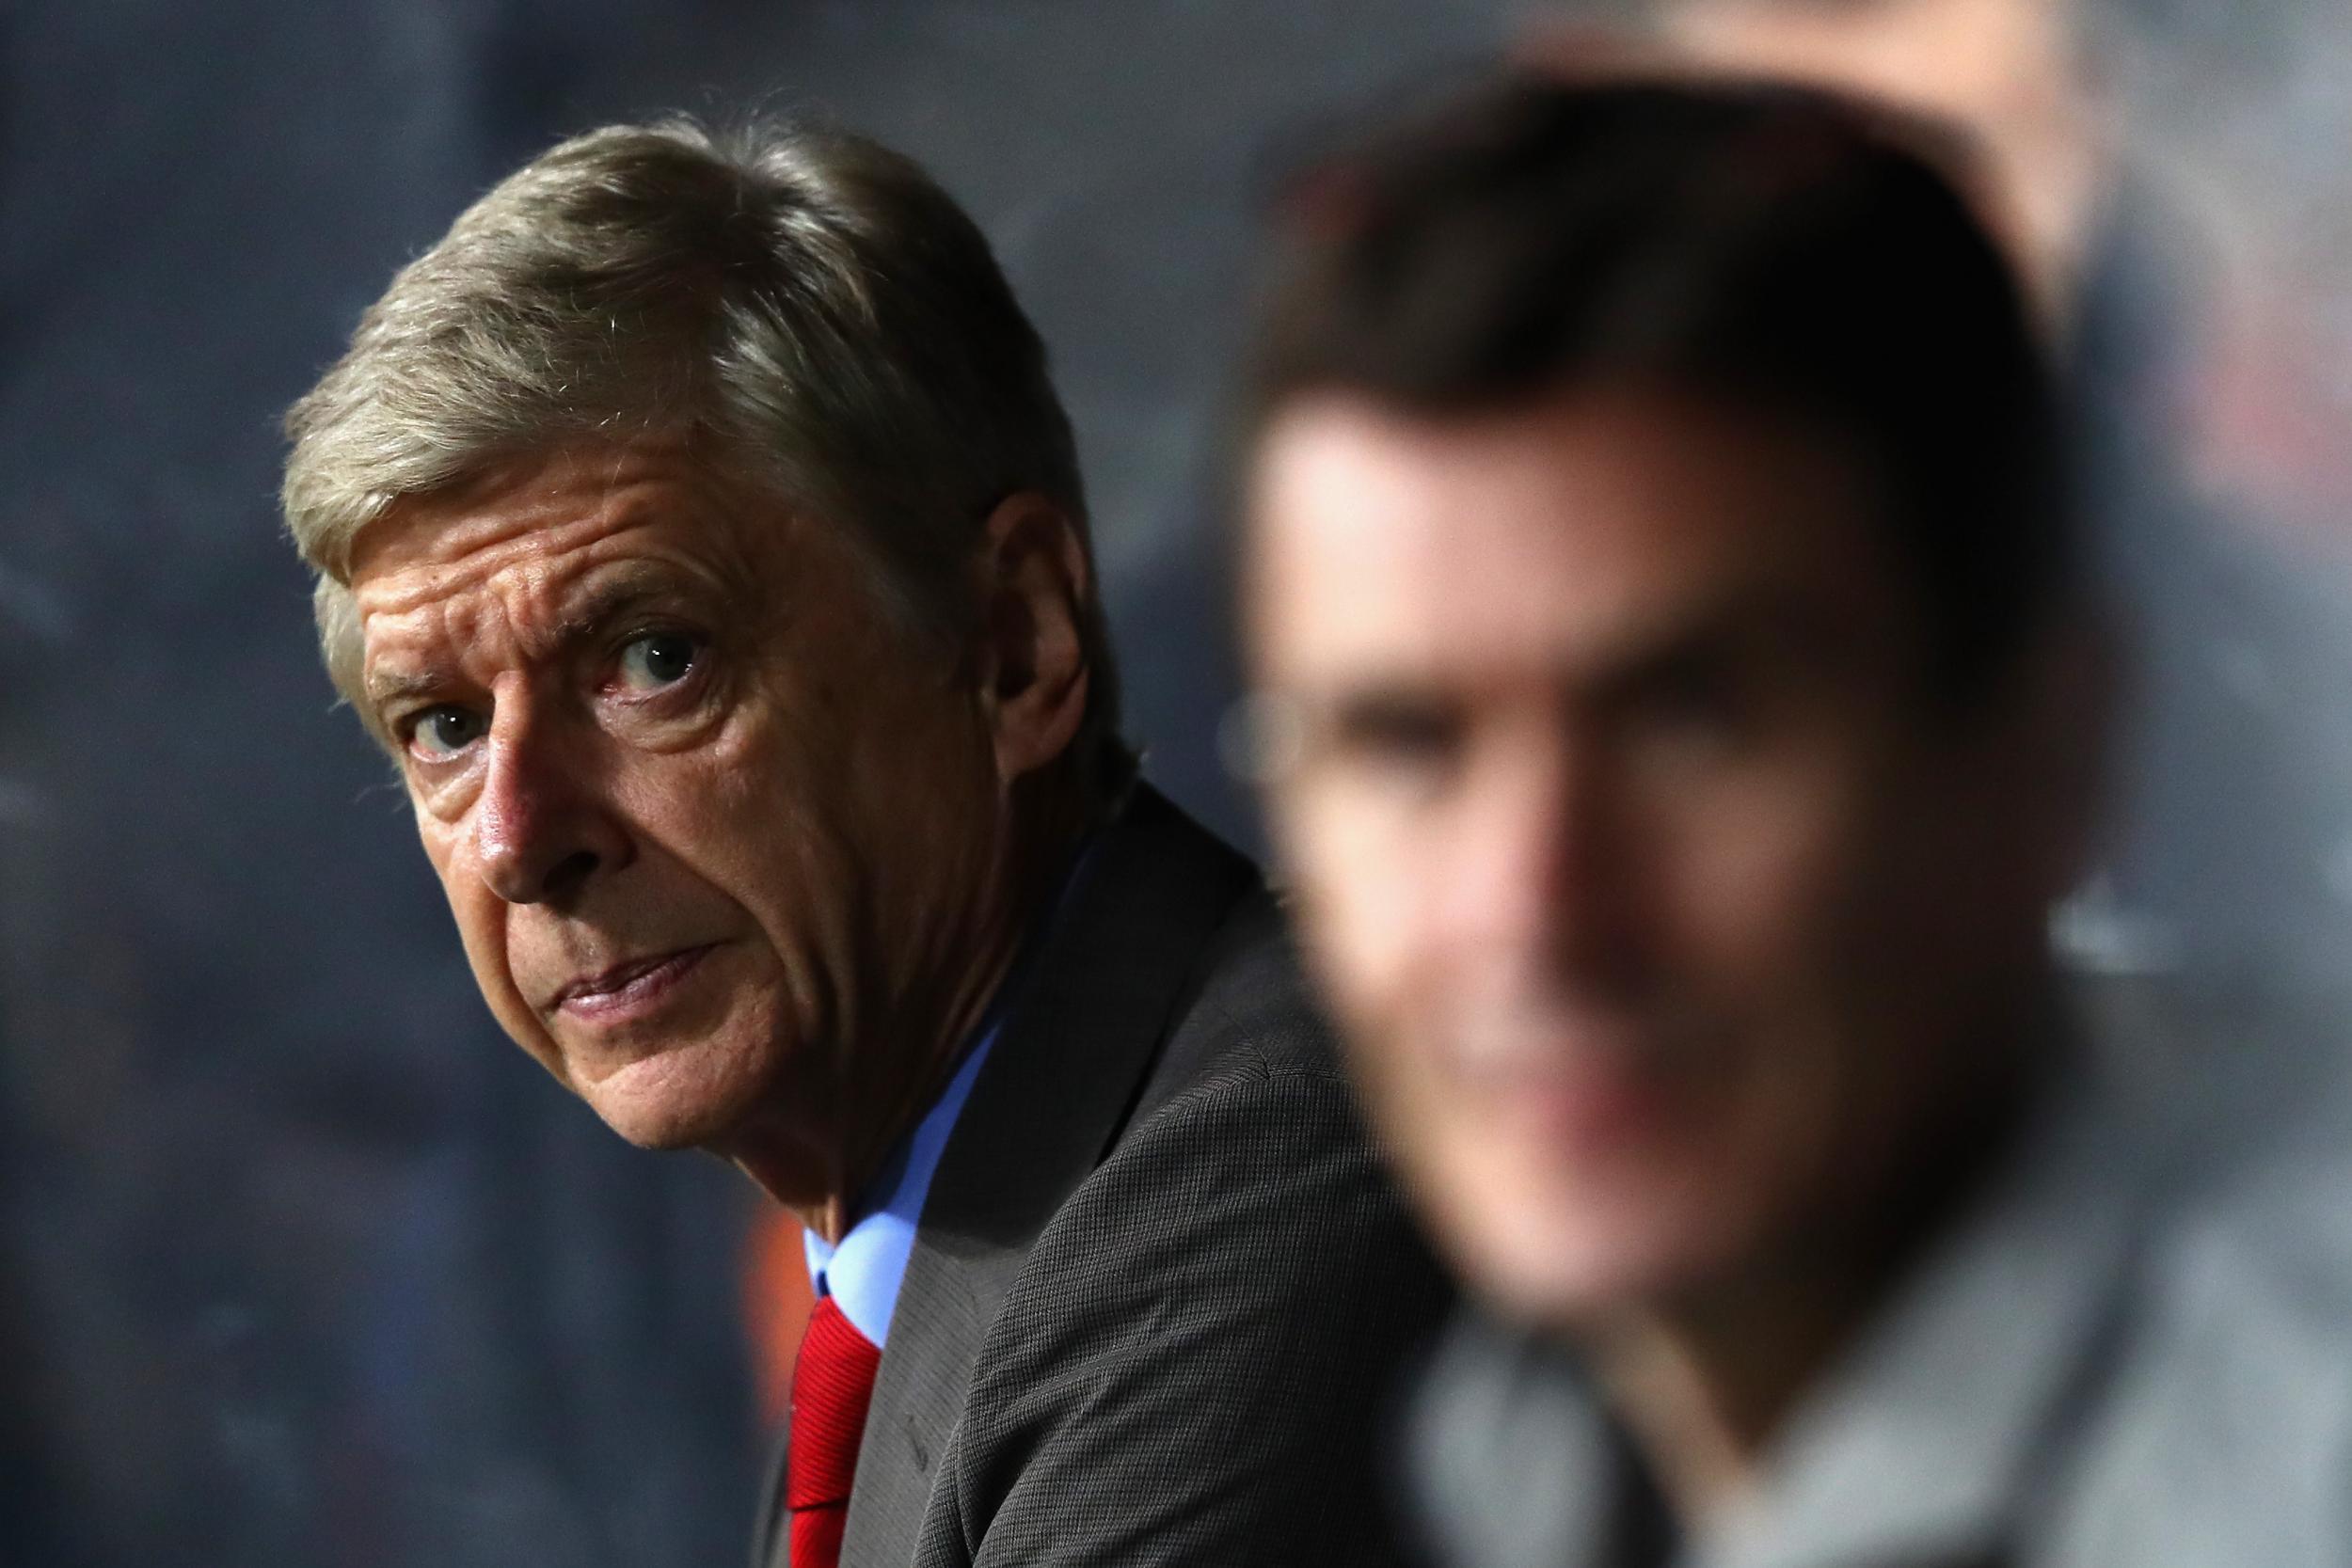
(1683, 703)
(697, 527)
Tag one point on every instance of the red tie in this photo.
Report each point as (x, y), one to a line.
(832, 1383)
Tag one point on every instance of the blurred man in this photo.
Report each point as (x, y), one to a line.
(1682, 708)
(697, 527)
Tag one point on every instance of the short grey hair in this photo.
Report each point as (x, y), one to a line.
(805, 304)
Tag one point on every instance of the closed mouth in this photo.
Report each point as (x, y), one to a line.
(627, 985)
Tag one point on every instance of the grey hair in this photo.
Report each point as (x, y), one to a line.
(805, 304)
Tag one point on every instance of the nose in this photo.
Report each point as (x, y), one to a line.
(542, 830)
(1540, 881)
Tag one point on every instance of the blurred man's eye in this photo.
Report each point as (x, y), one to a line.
(444, 731)
(1404, 736)
(1696, 705)
(657, 660)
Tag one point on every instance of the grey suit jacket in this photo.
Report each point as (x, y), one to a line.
(1161, 1290)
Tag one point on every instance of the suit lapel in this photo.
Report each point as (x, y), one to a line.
(1077, 1043)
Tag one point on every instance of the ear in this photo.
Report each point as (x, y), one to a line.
(1034, 585)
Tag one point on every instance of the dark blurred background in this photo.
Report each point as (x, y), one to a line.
(300, 1262)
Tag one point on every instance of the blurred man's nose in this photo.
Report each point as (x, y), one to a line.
(1537, 874)
(542, 831)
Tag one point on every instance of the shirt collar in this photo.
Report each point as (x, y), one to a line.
(862, 1271)
(1930, 1439)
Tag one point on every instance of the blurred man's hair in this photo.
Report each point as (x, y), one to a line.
(1780, 250)
(807, 309)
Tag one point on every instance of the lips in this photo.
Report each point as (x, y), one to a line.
(629, 987)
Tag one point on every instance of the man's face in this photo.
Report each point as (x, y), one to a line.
(711, 821)
(1657, 897)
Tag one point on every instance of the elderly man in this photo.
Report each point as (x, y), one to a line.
(697, 527)
(1680, 704)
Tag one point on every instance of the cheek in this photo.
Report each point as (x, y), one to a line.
(754, 824)
(459, 885)
(1791, 929)
(722, 816)
(1360, 892)
(1365, 913)
(863, 745)
(480, 918)
(1768, 884)
(480, 913)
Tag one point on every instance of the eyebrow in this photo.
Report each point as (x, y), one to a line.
(1724, 634)
(389, 691)
(1733, 635)
(623, 590)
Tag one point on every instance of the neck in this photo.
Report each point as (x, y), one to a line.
(1703, 1386)
(1704, 1382)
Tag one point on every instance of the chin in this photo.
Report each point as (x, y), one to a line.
(1561, 1276)
(1560, 1248)
(692, 1097)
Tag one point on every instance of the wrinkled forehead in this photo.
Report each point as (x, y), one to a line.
(537, 525)
(533, 557)
(548, 501)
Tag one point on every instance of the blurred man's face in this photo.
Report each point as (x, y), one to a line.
(1661, 903)
(711, 820)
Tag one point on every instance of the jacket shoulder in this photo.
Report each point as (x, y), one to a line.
(1199, 1355)
(1249, 1018)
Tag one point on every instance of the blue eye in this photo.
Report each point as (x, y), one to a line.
(657, 660)
(441, 731)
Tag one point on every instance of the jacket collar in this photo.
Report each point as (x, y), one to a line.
(1054, 1096)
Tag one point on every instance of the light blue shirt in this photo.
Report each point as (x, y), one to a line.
(861, 1271)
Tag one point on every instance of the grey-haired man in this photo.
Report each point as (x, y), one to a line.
(696, 525)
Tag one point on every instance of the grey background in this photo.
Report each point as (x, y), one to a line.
(300, 1262)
